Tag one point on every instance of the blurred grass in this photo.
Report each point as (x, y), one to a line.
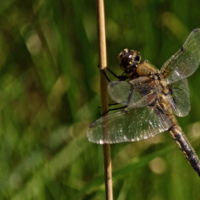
(49, 93)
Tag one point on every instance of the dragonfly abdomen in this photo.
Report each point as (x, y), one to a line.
(185, 147)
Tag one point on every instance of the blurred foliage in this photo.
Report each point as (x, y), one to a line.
(49, 93)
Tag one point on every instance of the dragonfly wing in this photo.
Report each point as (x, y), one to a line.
(119, 91)
(134, 124)
(138, 92)
(180, 98)
(185, 61)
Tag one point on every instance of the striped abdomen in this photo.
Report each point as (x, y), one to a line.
(179, 138)
(185, 147)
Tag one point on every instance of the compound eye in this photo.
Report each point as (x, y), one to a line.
(137, 58)
(126, 59)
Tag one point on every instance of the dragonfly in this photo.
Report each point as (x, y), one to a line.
(151, 99)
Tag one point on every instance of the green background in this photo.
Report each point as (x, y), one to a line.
(49, 93)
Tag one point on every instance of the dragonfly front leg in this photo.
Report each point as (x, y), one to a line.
(120, 78)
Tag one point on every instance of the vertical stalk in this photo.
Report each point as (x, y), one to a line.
(104, 94)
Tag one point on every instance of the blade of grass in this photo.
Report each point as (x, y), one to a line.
(134, 165)
(35, 186)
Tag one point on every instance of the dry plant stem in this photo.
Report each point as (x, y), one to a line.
(104, 94)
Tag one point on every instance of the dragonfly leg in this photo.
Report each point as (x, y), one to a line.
(114, 109)
(106, 76)
(114, 104)
(120, 78)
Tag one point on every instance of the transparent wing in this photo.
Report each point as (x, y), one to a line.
(180, 98)
(139, 92)
(185, 61)
(134, 125)
(119, 91)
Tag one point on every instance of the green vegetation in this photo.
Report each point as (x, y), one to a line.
(49, 93)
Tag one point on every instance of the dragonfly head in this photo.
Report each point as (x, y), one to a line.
(128, 60)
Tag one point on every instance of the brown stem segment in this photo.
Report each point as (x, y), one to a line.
(104, 94)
